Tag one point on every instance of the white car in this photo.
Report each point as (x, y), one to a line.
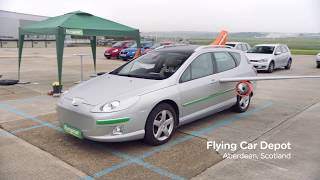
(318, 60)
(242, 46)
(268, 57)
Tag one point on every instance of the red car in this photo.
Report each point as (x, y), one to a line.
(116, 48)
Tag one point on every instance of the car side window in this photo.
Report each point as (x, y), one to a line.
(278, 49)
(200, 67)
(239, 47)
(283, 49)
(236, 56)
(224, 61)
(244, 47)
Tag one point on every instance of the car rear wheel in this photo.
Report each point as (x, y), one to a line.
(288, 66)
(242, 104)
(160, 125)
(318, 65)
(271, 67)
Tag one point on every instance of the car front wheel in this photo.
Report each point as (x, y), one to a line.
(271, 67)
(160, 125)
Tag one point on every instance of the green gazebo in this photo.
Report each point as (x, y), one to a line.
(75, 23)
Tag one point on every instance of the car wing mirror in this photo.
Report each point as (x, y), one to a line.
(277, 53)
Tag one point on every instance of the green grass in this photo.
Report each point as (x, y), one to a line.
(305, 51)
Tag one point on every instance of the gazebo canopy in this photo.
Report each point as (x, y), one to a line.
(75, 23)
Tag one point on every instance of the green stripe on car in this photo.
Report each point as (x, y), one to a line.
(207, 97)
(112, 121)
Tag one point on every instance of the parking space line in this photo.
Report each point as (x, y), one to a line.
(140, 159)
(146, 165)
(13, 110)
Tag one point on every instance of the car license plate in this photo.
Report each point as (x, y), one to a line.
(73, 131)
(122, 55)
(107, 54)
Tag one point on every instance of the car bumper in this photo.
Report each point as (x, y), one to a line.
(111, 54)
(126, 56)
(80, 118)
(260, 65)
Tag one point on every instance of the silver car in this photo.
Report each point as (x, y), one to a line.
(242, 46)
(149, 97)
(268, 57)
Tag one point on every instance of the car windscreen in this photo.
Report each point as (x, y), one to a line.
(261, 49)
(154, 65)
(232, 45)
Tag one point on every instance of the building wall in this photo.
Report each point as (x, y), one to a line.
(11, 21)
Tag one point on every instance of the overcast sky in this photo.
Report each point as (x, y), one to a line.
(188, 15)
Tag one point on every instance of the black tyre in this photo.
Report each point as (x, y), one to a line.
(242, 104)
(288, 66)
(271, 67)
(160, 125)
(318, 65)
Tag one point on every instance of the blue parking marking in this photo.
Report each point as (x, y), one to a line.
(139, 160)
(28, 128)
(27, 116)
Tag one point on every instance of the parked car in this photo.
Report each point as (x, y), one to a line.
(163, 43)
(242, 46)
(116, 48)
(130, 52)
(318, 60)
(268, 57)
(148, 98)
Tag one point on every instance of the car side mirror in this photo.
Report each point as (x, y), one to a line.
(277, 53)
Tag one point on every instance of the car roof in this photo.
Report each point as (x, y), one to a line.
(267, 44)
(189, 48)
(180, 48)
(233, 42)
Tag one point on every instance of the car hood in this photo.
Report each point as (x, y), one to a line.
(258, 56)
(109, 87)
(112, 48)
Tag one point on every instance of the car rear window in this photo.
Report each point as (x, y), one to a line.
(224, 61)
(236, 56)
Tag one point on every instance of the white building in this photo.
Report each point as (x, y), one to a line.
(11, 21)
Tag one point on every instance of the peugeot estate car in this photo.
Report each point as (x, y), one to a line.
(149, 97)
(268, 57)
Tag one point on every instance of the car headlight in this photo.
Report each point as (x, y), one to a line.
(110, 106)
(116, 105)
(263, 60)
(116, 50)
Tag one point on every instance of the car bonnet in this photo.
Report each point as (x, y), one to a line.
(112, 87)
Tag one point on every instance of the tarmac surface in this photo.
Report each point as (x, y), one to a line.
(33, 146)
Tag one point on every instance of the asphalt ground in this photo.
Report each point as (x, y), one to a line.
(27, 116)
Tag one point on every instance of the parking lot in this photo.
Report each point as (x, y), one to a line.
(32, 144)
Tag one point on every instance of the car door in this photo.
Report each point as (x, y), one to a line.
(226, 67)
(278, 58)
(197, 84)
(285, 55)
